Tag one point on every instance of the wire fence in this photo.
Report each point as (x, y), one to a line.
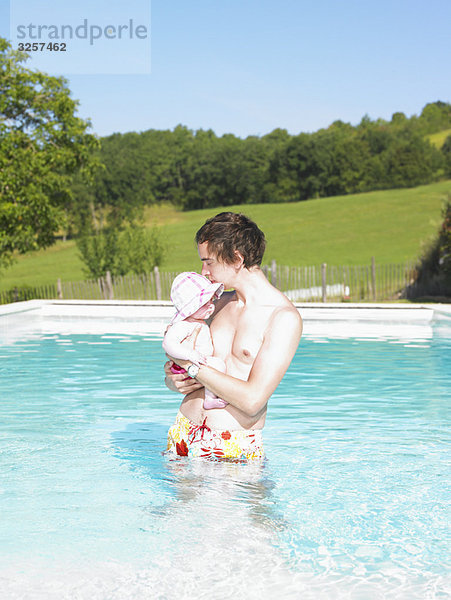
(316, 283)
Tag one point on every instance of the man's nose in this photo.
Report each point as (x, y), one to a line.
(204, 270)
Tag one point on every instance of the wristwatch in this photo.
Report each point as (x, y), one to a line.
(192, 371)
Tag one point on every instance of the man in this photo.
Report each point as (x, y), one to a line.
(255, 330)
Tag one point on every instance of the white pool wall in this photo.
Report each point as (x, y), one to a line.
(341, 320)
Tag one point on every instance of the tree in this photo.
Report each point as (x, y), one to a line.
(42, 145)
(446, 151)
(297, 168)
(197, 169)
(399, 119)
(120, 250)
(435, 116)
(434, 270)
(411, 160)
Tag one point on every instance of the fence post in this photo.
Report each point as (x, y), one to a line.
(323, 282)
(373, 277)
(274, 273)
(109, 286)
(59, 289)
(16, 295)
(157, 282)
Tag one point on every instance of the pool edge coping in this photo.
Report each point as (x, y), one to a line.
(317, 310)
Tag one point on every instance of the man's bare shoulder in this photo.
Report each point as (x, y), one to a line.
(286, 317)
(287, 311)
(282, 305)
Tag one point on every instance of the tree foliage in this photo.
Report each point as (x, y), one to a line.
(42, 144)
(446, 151)
(434, 270)
(132, 249)
(197, 169)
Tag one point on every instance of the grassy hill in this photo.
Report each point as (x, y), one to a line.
(391, 225)
(438, 139)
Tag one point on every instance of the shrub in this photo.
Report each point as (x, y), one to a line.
(434, 270)
(120, 251)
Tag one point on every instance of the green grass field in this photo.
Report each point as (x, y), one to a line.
(391, 225)
(438, 139)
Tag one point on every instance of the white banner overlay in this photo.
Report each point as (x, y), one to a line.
(83, 37)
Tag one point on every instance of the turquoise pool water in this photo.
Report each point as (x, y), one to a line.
(351, 502)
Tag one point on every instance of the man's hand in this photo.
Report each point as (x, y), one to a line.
(179, 382)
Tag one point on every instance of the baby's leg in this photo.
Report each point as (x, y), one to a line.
(211, 400)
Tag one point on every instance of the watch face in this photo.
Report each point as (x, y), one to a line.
(193, 370)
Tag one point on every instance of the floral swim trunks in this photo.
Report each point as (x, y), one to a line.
(186, 438)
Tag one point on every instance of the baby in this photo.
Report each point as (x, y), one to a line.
(192, 295)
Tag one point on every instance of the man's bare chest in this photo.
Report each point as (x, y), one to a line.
(239, 334)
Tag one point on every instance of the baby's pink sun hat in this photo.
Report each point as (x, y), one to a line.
(190, 291)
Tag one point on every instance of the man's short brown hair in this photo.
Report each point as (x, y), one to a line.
(229, 232)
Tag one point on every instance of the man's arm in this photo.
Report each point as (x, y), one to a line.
(273, 359)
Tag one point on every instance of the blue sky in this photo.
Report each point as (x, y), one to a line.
(249, 66)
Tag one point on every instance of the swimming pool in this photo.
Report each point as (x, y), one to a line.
(351, 501)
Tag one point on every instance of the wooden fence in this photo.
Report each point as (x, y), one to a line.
(361, 283)
(320, 283)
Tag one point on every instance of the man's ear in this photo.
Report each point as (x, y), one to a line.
(239, 260)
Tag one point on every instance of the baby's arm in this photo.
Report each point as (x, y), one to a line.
(172, 343)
